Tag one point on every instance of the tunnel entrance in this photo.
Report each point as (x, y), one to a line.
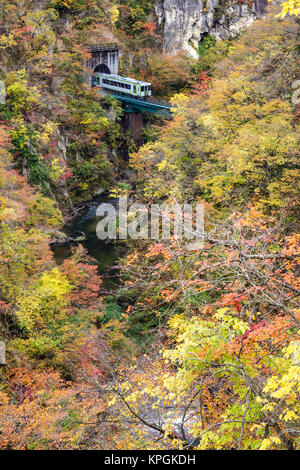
(102, 68)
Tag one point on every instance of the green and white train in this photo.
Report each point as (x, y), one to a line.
(122, 86)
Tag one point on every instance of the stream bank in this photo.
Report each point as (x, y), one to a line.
(106, 254)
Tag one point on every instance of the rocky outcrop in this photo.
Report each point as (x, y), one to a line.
(186, 21)
(60, 238)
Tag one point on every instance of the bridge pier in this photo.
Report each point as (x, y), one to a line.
(135, 122)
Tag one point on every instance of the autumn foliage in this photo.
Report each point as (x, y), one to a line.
(193, 349)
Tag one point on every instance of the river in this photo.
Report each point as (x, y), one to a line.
(105, 254)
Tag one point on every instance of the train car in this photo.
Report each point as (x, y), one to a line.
(122, 86)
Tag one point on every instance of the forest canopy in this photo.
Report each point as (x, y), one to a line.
(191, 349)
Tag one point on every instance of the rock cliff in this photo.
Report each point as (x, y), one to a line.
(186, 21)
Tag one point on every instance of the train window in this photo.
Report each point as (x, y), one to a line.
(142, 88)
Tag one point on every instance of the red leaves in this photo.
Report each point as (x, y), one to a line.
(22, 31)
(233, 299)
(86, 283)
(202, 84)
(67, 175)
(259, 325)
(150, 28)
(263, 339)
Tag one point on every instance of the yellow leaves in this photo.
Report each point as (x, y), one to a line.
(94, 123)
(283, 390)
(83, 186)
(285, 385)
(291, 7)
(7, 41)
(43, 211)
(179, 104)
(47, 131)
(133, 398)
(4, 399)
(177, 323)
(230, 322)
(270, 442)
(40, 24)
(114, 14)
(65, 3)
(20, 95)
(29, 311)
(207, 119)
(54, 284)
(47, 297)
(269, 407)
(162, 165)
(209, 440)
(56, 169)
(290, 415)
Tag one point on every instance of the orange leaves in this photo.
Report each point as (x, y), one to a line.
(263, 339)
(292, 247)
(159, 250)
(40, 410)
(215, 397)
(202, 83)
(4, 137)
(85, 281)
(291, 250)
(150, 28)
(169, 295)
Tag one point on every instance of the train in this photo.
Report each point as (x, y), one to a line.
(124, 86)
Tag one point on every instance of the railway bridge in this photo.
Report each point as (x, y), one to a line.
(132, 105)
(104, 58)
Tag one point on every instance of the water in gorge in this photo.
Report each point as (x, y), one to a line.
(106, 254)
